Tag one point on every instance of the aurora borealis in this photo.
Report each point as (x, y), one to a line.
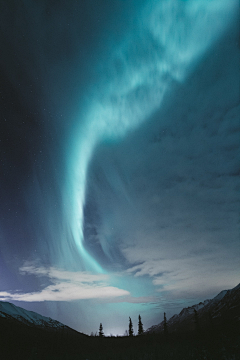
(119, 157)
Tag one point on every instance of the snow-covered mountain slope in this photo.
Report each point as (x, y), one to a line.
(225, 307)
(10, 311)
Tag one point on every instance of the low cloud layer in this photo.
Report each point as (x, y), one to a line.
(66, 286)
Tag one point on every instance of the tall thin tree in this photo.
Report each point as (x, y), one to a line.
(100, 332)
(140, 326)
(165, 326)
(130, 331)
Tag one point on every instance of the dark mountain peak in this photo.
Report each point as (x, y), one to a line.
(224, 307)
(10, 312)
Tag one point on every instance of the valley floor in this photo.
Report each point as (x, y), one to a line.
(220, 344)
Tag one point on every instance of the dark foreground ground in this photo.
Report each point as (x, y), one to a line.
(19, 342)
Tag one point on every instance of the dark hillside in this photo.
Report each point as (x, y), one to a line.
(206, 331)
(20, 342)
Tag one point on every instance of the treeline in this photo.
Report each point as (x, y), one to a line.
(21, 342)
(129, 332)
(222, 343)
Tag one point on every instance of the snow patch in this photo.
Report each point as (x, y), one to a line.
(28, 317)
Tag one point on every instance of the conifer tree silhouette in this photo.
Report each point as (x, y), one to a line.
(165, 326)
(140, 326)
(101, 333)
(130, 331)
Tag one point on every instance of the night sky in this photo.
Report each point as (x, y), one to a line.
(119, 150)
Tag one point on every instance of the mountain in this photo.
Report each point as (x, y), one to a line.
(12, 312)
(27, 335)
(222, 310)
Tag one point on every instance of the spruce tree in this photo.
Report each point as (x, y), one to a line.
(140, 326)
(130, 331)
(165, 327)
(101, 333)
